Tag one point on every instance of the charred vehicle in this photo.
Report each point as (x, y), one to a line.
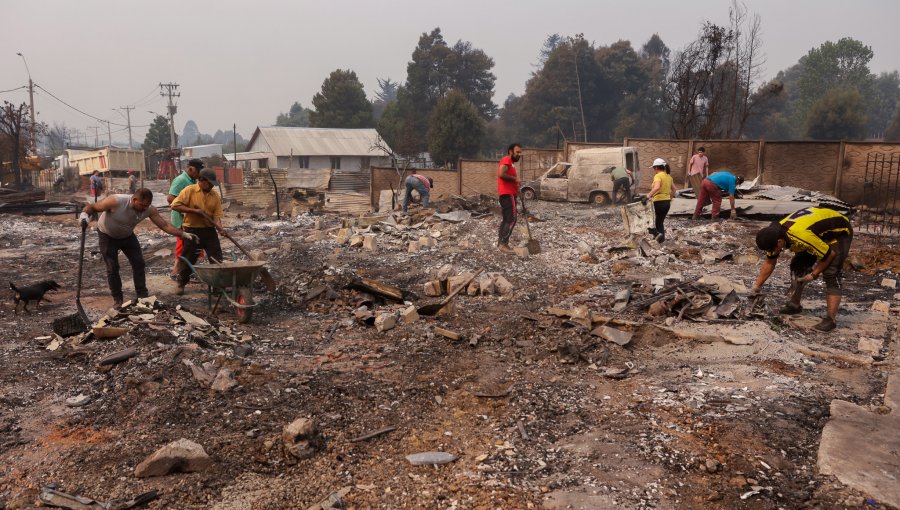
(586, 179)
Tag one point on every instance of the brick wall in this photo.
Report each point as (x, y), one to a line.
(571, 147)
(737, 156)
(853, 172)
(446, 182)
(478, 177)
(807, 165)
(674, 151)
(535, 162)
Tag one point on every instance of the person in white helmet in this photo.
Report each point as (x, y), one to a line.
(661, 195)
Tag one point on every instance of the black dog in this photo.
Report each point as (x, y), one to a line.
(34, 292)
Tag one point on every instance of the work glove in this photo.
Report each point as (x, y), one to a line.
(806, 278)
(734, 214)
(84, 218)
(191, 238)
(644, 200)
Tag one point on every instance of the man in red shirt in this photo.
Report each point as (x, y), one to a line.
(508, 189)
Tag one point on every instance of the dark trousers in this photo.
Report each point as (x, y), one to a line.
(208, 241)
(624, 182)
(660, 209)
(508, 206)
(109, 249)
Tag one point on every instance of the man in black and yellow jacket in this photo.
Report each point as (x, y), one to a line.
(820, 239)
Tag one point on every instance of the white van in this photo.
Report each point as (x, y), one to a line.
(586, 178)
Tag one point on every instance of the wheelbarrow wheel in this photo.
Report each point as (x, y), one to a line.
(244, 297)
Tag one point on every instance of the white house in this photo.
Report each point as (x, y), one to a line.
(349, 150)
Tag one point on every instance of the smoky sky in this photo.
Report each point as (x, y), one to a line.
(245, 62)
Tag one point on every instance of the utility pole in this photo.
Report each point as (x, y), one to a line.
(169, 90)
(96, 135)
(108, 135)
(128, 113)
(30, 102)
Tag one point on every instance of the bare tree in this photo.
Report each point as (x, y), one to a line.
(15, 125)
(710, 89)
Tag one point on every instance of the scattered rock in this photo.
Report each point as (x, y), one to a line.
(191, 319)
(78, 400)
(301, 439)
(430, 458)
(881, 306)
(889, 283)
(182, 456)
(409, 315)
(502, 285)
(871, 346)
(386, 321)
(712, 465)
(224, 380)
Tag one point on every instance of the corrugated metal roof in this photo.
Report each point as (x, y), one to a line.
(318, 141)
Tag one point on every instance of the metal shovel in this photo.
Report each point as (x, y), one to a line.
(264, 274)
(79, 322)
(534, 247)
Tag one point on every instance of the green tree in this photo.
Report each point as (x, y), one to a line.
(838, 115)
(455, 129)
(892, 133)
(883, 101)
(158, 135)
(297, 116)
(434, 70)
(342, 103)
(842, 64)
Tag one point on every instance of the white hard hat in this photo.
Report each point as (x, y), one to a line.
(658, 162)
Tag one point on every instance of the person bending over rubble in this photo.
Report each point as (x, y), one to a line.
(421, 184)
(115, 231)
(820, 239)
(711, 190)
(202, 209)
(508, 189)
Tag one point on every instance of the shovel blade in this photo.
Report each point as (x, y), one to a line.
(430, 310)
(534, 247)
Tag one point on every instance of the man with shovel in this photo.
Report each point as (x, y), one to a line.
(115, 230)
(202, 209)
(508, 189)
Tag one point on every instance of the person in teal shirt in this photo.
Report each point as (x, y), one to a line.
(184, 179)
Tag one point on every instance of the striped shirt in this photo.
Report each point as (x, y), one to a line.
(814, 230)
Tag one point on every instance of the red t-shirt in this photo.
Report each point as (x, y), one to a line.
(505, 187)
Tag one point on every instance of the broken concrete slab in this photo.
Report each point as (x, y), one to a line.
(192, 319)
(432, 288)
(859, 448)
(616, 336)
(881, 306)
(182, 456)
(78, 400)
(889, 283)
(870, 346)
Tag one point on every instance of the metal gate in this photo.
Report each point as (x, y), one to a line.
(880, 209)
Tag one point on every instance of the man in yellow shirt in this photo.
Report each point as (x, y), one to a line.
(202, 209)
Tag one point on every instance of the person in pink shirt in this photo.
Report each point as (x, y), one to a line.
(698, 170)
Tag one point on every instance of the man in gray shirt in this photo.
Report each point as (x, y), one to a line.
(115, 232)
(621, 178)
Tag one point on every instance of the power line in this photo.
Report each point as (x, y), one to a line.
(13, 90)
(76, 109)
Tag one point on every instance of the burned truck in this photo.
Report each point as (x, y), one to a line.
(587, 178)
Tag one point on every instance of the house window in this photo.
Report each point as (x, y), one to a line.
(303, 161)
(336, 162)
